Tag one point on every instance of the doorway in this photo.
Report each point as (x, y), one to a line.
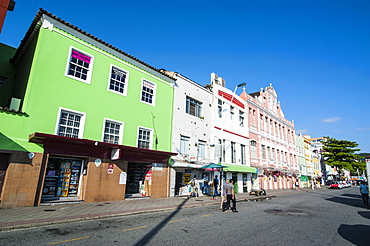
(4, 164)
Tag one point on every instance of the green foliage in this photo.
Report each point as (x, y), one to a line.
(341, 154)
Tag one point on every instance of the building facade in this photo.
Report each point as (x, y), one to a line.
(191, 134)
(81, 120)
(231, 136)
(272, 140)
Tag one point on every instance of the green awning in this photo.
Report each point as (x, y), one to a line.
(239, 168)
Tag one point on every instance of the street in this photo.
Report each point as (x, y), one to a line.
(319, 217)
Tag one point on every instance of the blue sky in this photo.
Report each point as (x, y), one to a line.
(316, 53)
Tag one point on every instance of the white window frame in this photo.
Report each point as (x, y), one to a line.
(153, 86)
(202, 148)
(120, 134)
(233, 152)
(124, 93)
(242, 154)
(184, 145)
(82, 121)
(253, 146)
(150, 136)
(88, 75)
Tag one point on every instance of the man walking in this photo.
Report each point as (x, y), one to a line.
(224, 195)
(364, 190)
(230, 196)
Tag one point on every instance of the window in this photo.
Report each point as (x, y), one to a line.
(2, 81)
(118, 80)
(70, 124)
(231, 112)
(184, 145)
(218, 152)
(263, 149)
(144, 139)
(148, 92)
(112, 132)
(241, 118)
(253, 149)
(219, 108)
(79, 66)
(201, 148)
(193, 107)
(233, 153)
(242, 151)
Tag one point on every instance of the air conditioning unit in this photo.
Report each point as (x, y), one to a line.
(15, 104)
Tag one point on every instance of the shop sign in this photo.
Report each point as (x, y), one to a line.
(122, 178)
(157, 166)
(115, 154)
(110, 168)
(97, 162)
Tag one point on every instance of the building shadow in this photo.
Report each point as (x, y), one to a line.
(354, 201)
(146, 239)
(356, 234)
(365, 214)
(352, 195)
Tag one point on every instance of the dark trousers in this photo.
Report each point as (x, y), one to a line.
(227, 204)
(365, 197)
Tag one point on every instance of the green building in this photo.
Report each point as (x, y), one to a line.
(80, 120)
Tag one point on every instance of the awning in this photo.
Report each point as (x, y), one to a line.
(54, 144)
(185, 164)
(239, 168)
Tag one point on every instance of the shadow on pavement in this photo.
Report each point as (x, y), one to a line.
(365, 214)
(353, 195)
(355, 234)
(156, 229)
(355, 202)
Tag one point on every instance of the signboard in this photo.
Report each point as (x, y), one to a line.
(110, 168)
(122, 178)
(115, 154)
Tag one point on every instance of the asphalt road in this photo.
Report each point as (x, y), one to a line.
(320, 217)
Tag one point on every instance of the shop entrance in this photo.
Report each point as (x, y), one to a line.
(62, 177)
(4, 163)
(178, 183)
(138, 178)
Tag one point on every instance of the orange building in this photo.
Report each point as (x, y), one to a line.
(5, 6)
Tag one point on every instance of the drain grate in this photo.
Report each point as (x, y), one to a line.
(49, 210)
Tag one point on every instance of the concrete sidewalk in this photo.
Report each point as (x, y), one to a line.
(14, 218)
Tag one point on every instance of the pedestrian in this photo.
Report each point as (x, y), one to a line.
(364, 190)
(296, 184)
(215, 186)
(194, 187)
(205, 185)
(230, 197)
(223, 195)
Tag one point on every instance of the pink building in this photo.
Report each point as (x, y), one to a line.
(272, 141)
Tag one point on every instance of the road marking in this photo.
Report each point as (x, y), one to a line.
(70, 240)
(175, 221)
(205, 215)
(135, 228)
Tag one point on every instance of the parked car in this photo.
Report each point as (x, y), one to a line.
(336, 185)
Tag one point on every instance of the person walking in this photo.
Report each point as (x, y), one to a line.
(296, 184)
(223, 195)
(215, 186)
(230, 197)
(364, 190)
(194, 187)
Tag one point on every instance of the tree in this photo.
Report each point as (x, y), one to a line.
(341, 154)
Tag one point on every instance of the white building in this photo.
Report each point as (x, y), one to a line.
(191, 133)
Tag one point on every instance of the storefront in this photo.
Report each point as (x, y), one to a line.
(241, 175)
(91, 171)
(62, 178)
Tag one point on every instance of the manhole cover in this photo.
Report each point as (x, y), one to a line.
(293, 212)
